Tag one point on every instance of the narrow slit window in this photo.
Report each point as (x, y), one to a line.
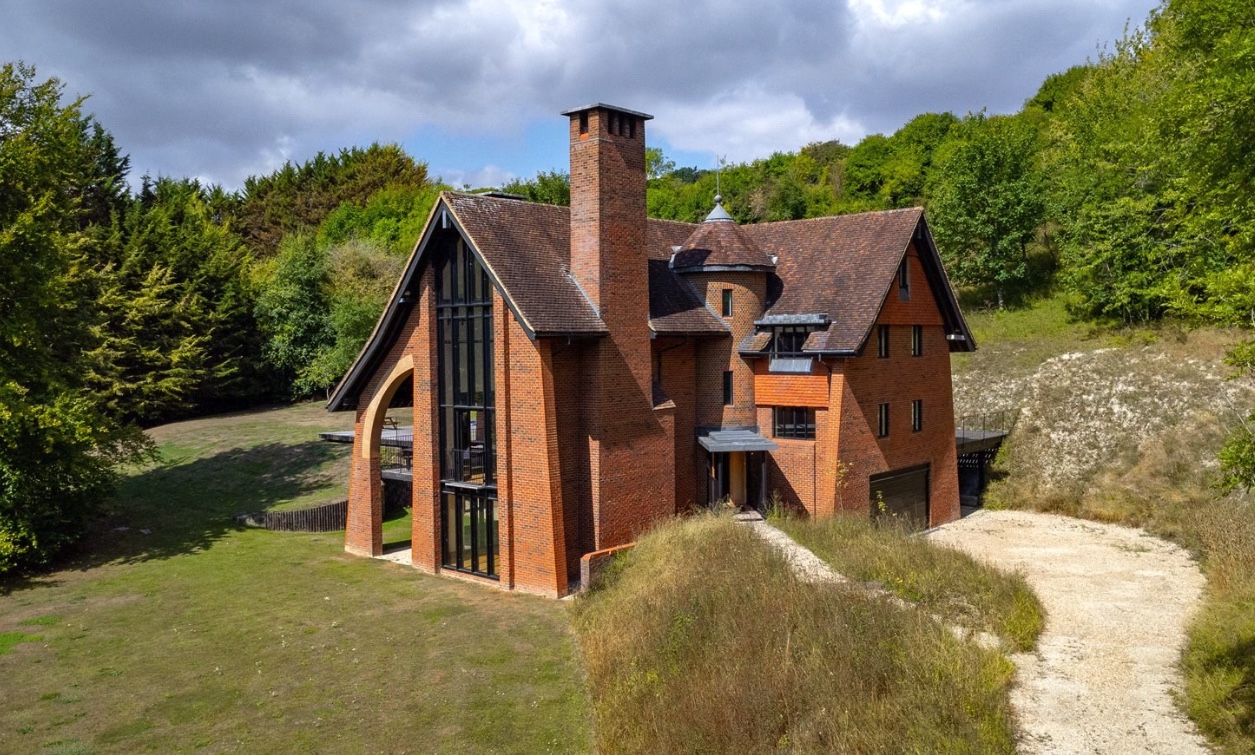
(904, 280)
(917, 415)
(882, 341)
(584, 122)
(882, 417)
(917, 340)
(727, 388)
(727, 302)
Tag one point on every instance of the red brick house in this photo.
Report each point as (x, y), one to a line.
(577, 375)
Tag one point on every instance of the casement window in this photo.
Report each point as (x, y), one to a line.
(467, 411)
(795, 422)
(904, 280)
(882, 341)
(727, 388)
(917, 340)
(727, 302)
(917, 415)
(788, 340)
(882, 421)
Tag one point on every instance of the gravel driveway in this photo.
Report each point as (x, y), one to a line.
(1117, 600)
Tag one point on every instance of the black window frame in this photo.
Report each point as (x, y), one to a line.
(470, 514)
(882, 341)
(793, 422)
(917, 340)
(788, 340)
(882, 421)
(466, 405)
(904, 280)
(917, 415)
(727, 388)
(727, 302)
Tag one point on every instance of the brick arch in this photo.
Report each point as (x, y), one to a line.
(364, 528)
(372, 423)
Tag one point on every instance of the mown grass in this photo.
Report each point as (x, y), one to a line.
(701, 640)
(204, 636)
(945, 582)
(1164, 484)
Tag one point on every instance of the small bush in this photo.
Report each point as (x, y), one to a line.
(944, 581)
(703, 641)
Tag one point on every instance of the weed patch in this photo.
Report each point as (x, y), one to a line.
(10, 640)
(704, 641)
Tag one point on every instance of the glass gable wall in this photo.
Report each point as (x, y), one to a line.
(468, 449)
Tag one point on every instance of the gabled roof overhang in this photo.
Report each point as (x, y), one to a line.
(958, 334)
(442, 218)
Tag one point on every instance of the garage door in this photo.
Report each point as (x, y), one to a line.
(901, 493)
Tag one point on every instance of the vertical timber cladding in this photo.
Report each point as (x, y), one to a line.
(902, 494)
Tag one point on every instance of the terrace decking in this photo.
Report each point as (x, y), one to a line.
(396, 450)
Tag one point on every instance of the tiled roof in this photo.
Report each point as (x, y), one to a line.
(720, 243)
(841, 266)
(674, 306)
(522, 245)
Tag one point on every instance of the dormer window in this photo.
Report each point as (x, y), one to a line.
(788, 340)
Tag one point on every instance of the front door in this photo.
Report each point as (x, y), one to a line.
(717, 482)
(736, 476)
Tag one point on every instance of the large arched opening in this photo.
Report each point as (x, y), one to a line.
(386, 453)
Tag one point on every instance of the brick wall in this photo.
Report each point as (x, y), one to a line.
(679, 382)
(831, 473)
(897, 380)
(716, 355)
(629, 448)
(535, 542)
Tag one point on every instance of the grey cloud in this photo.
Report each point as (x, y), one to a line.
(221, 89)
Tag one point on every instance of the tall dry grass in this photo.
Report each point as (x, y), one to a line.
(702, 640)
(946, 582)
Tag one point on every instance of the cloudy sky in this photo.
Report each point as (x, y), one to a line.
(221, 89)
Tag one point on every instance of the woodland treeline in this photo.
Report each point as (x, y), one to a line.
(1125, 183)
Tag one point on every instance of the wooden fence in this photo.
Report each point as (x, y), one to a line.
(329, 517)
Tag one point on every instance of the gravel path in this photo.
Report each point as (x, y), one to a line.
(1117, 602)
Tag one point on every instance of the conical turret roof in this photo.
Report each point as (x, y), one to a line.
(719, 243)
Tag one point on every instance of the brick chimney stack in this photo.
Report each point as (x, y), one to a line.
(609, 259)
(607, 200)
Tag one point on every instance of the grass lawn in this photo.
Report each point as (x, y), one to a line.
(201, 636)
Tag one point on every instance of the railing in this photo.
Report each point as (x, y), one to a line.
(988, 423)
(391, 457)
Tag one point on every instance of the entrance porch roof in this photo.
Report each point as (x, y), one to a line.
(735, 439)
